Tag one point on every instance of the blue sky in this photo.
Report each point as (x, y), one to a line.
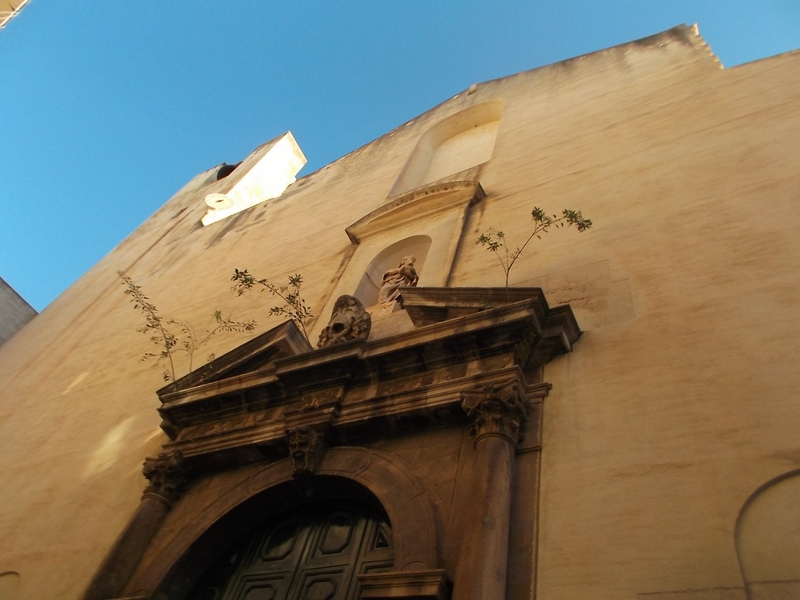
(109, 107)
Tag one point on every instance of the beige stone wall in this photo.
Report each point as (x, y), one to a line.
(675, 406)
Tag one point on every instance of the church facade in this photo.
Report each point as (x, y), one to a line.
(615, 416)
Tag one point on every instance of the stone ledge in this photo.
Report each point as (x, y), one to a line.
(419, 585)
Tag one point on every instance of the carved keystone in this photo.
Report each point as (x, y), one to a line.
(306, 448)
(349, 321)
(167, 476)
(497, 409)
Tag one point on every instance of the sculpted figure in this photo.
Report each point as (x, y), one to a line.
(403, 276)
(349, 321)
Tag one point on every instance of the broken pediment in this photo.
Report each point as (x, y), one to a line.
(242, 405)
(251, 357)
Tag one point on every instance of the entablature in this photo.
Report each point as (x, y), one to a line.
(353, 391)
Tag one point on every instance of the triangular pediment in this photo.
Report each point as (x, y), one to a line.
(254, 355)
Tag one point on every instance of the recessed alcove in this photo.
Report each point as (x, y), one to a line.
(427, 222)
(416, 246)
(459, 142)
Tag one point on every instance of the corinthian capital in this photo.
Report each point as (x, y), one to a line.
(498, 409)
(167, 476)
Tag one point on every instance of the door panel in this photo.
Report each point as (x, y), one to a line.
(312, 553)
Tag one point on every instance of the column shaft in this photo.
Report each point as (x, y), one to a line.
(483, 559)
(119, 563)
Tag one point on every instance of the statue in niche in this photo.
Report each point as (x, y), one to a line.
(349, 321)
(394, 279)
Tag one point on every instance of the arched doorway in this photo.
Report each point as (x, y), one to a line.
(314, 552)
(227, 507)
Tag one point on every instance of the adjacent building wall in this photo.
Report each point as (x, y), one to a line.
(15, 312)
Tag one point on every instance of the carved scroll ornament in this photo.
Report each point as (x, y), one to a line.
(167, 476)
(499, 409)
(349, 321)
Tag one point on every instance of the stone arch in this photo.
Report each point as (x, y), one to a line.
(767, 538)
(204, 523)
(388, 258)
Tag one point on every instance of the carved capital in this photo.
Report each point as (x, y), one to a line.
(497, 409)
(349, 321)
(167, 476)
(306, 448)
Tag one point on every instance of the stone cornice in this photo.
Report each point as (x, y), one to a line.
(358, 389)
(333, 357)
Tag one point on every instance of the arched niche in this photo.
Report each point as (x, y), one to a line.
(459, 142)
(222, 509)
(388, 258)
(436, 212)
(768, 539)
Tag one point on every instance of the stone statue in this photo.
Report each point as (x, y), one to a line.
(349, 321)
(403, 276)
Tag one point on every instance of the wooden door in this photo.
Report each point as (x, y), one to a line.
(313, 553)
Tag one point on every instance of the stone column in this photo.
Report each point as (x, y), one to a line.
(498, 411)
(167, 478)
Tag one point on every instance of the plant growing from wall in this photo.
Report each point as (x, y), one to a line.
(170, 335)
(495, 240)
(294, 305)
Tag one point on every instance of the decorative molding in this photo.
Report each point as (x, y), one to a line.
(497, 409)
(355, 390)
(306, 449)
(416, 205)
(167, 476)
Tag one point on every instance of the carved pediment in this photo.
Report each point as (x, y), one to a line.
(254, 355)
(242, 407)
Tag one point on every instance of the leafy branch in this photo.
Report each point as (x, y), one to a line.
(294, 305)
(495, 240)
(171, 335)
